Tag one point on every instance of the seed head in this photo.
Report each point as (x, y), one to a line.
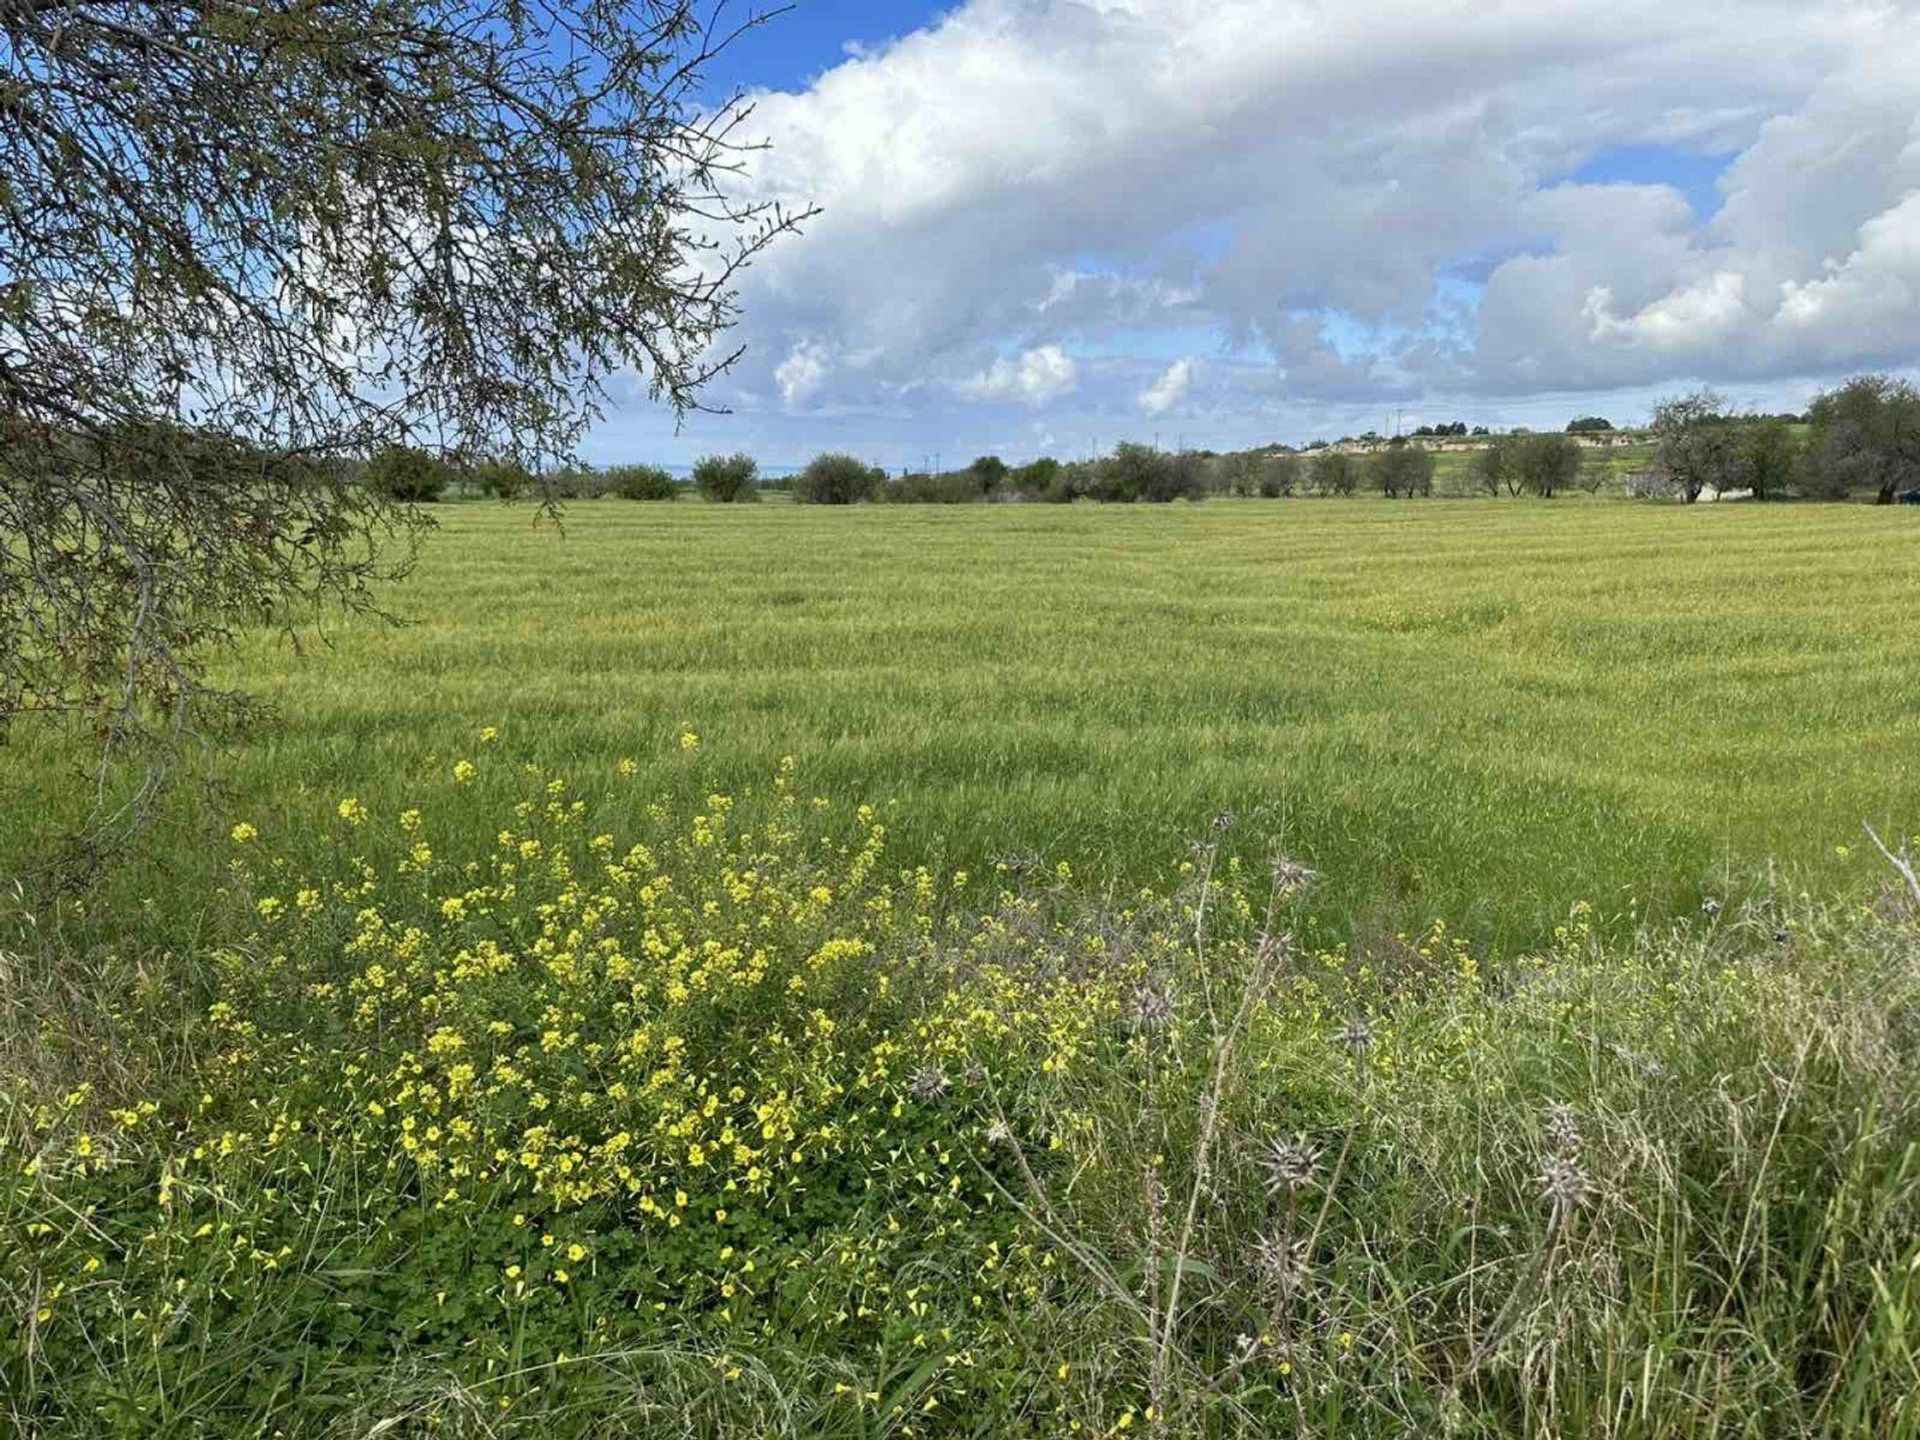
(929, 1083)
(1280, 1263)
(1709, 907)
(1222, 821)
(1289, 1165)
(1562, 1131)
(1152, 1005)
(1357, 1036)
(1290, 875)
(999, 1132)
(1563, 1182)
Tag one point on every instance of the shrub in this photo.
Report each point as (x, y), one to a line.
(1036, 478)
(1335, 472)
(953, 488)
(1402, 469)
(836, 479)
(1142, 472)
(576, 482)
(408, 475)
(641, 482)
(503, 479)
(727, 479)
(989, 473)
(1548, 464)
(1279, 476)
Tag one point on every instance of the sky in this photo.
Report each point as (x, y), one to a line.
(1046, 226)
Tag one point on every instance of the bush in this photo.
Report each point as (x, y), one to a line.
(576, 482)
(1141, 472)
(503, 479)
(641, 482)
(1279, 476)
(960, 487)
(1402, 469)
(989, 473)
(836, 479)
(1036, 478)
(1335, 473)
(1548, 464)
(727, 479)
(410, 476)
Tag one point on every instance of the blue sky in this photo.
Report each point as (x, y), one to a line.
(1053, 224)
(790, 49)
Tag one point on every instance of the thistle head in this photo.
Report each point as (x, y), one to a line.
(1151, 1007)
(1290, 876)
(1357, 1036)
(1563, 1182)
(1562, 1131)
(1279, 1261)
(929, 1083)
(1289, 1165)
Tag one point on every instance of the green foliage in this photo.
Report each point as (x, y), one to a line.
(1496, 467)
(1335, 473)
(640, 482)
(958, 487)
(1770, 457)
(989, 473)
(1589, 425)
(503, 479)
(1143, 473)
(1866, 436)
(1037, 478)
(1402, 470)
(727, 479)
(575, 482)
(836, 479)
(407, 474)
(1278, 476)
(1546, 464)
(1698, 444)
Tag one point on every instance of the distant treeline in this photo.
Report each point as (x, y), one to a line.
(1860, 439)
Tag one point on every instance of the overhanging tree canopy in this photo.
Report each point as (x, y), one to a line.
(241, 245)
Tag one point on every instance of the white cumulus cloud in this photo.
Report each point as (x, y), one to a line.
(1333, 204)
(1169, 390)
(1037, 376)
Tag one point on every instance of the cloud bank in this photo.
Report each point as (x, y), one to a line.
(1265, 217)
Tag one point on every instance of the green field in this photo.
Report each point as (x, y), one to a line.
(1483, 711)
(509, 1044)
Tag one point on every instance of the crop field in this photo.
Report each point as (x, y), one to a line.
(1472, 710)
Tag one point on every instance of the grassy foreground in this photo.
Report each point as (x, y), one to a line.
(732, 1126)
